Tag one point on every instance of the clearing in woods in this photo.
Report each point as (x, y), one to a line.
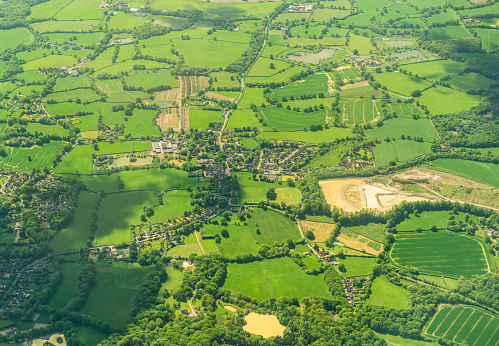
(464, 324)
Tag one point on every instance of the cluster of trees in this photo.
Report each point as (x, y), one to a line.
(242, 64)
(84, 283)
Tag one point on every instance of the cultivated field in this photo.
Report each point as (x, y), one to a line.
(360, 112)
(464, 324)
(274, 278)
(384, 293)
(461, 256)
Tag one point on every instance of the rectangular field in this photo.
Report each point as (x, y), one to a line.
(461, 323)
(274, 278)
(282, 119)
(461, 255)
(359, 111)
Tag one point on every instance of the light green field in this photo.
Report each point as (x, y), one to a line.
(274, 278)
(399, 151)
(75, 236)
(403, 126)
(51, 61)
(123, 21)
(110, 299)
(191, 247)
(425, 252)
(243, 118)
(80, 39)
(200, 119)
(357, 266)
(273, 227)
(327, 135)
(140, 124)
(19, 158)
(471, 81)
(85, 95)
(255, 191)
(449, 33)
(361, 43)
(487, 173)
(80, 9)
(384, 293)
(401, 83)
(106, 148)
(398, 340)
(440, 100)
(47, 9)
(434, 70)
(150, 79)
(71, 25)
(427, 219)
(77, 161)
(66, 290)
(252, 96)
(13, 37)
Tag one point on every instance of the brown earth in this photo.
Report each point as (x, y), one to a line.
(354, 85)
(169, 118)
(321, 230)
(359, 244)
(219, 97)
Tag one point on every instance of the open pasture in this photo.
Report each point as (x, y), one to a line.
(27, 159)
(274, 278)
(85, 95)
(67, 25)
(75, 236)
(77, 161)
(442, 17)
(13, 37)
(50, 61)
(384, 293)
(405, 109)
(325, 14)
(140, 124)
(273, 227)
(110, 299)
(484, 172)
(80, 10)
(282, 119)
(427, 219)
(359, 112)
(367, 5)
(471, 81)
(434, 70)
(327, 135)
(357, 266)
(360, 43)
(461, 255)
(243, 118)
(441, 100)
(399, 151)
(449, 33)
(401, 83)
(464, 324)
(150, 79)
(312, 85)
(66, 290)
(251, 191)
(200, 119)
(490, 38)
(47, 9)
(86, 39)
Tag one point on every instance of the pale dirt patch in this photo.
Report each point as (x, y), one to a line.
(264, 325)
(355, 194)
(236, 1)
(344, 193)
(169, 118)
(184, 118)
(354, 85)
(52, 339)
(420, 175)
(478, 1)
(230, 308)
(168, 95)
(321, 230)
(358, 244)
(219, 97)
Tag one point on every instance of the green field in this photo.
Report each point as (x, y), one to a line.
(401, 83)
(481, 171)
(399, 151)
(110, 299)
(461, 255)
(403, 126)
(19, 158)
(361, 44)
(13, 37)
(357, 266)
(440, 100)
(327, 135)
(251, 191)
(384, 293)
(274, 278)
(273, 227)
(434, 70)
(282, 119)
(312, 85)
(66, 290)
(75, 236)
(470, 81)
(398, 340)
(359, 111)
(118, 211)
(78, 160)
(461, 323)
(150, 79)
(200, 119)
(427, 219)
(449, 33)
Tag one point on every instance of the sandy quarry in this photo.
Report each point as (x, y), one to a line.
(431, 176)
(355, 194)
(264, 325)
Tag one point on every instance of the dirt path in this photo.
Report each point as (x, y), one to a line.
(192, 308)
(306, 242)
(199, 243)
(330, 83)
(434, 128)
